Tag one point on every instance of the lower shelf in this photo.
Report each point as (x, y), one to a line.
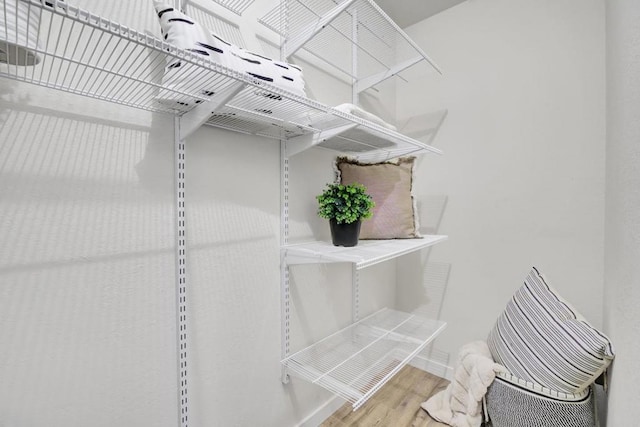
(356, 361)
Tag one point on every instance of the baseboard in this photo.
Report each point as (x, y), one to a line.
(318, 416)
(433, 367)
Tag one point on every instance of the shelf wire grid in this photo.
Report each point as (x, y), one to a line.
(236, 6)
(273, 19)
(357, 361)
(81, 53)
(181, 279)
(224, 28)
(380, 43)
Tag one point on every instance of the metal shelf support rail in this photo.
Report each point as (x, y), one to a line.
(285, 294)
(293, 44)
(181, 275)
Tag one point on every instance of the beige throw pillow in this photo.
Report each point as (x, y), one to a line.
(389, 184)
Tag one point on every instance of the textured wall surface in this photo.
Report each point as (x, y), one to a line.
(523, 164)
(622, 248)
(87, 293)
(86, 264)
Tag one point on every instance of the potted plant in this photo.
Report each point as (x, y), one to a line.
(345, 206)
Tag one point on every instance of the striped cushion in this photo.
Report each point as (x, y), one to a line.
(541, 338)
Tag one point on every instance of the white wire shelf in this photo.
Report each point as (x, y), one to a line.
(236, 6)
(365, 254)
(329, 28)
(75, 51)
(357, 361)
(223, 27)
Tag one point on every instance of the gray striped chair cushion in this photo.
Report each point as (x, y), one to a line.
(541, 338)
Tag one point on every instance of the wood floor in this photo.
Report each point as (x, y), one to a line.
(397, 404)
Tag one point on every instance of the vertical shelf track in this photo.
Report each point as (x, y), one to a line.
(181, 276)
(285, 291)
(285, 296)
(181, 268)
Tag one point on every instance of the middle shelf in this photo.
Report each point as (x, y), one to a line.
(357, 361)
(366, 254)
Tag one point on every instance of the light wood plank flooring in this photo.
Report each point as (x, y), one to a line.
(397, 404)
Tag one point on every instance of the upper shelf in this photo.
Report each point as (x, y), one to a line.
(332, 29)
(75, 51)
(367, 253)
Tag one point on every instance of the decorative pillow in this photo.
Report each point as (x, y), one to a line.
(182, 31)
(390, 186)
(541, 338)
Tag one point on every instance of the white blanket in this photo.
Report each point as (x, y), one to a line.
(460, 404)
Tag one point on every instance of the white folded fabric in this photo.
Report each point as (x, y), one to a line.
(184, 32)
(363, 114)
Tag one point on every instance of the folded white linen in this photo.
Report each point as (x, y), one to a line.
(363, 114)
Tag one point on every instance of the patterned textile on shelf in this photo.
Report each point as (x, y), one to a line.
(19, 24)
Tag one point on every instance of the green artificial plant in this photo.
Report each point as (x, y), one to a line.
(345, 203)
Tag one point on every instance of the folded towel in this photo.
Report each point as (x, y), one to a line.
(363, 114)
(459, 405)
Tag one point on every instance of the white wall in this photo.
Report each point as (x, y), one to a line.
(87, 319)
(86, 264)
(523, 164)
(87, 293)
(622, 241)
